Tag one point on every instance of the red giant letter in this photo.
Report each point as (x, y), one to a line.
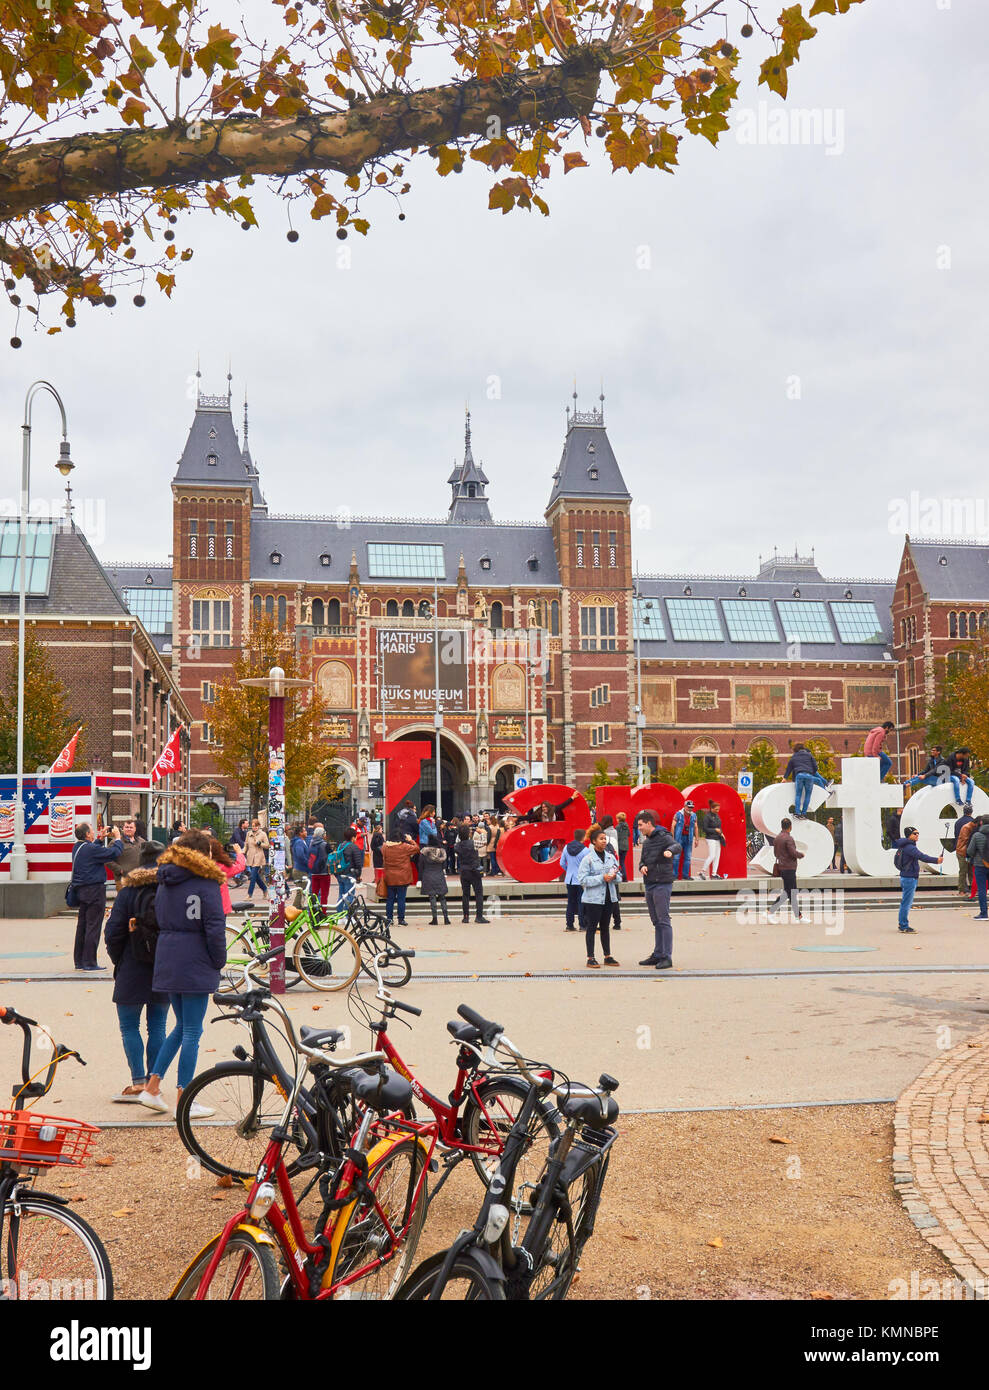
(515, 847)
(404, 757)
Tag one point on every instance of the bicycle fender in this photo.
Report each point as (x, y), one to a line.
(380, 1150)
(262, 1237)
(50, 1196)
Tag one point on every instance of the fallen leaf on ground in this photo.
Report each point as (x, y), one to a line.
(975, 1044)
(78, 1197)
(225, 1180)
(68, 1013)
(627, 1237)
(820, 1293)
(778, 1139)
(315, 1008)
(216, 1197)
(717, 1242)
(105, 1162)
(124, 1211)
(984, 1118)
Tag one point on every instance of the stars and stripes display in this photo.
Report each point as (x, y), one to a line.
(52, 807)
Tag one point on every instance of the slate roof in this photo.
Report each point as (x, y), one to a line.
(79, 585)
(964, 576)
(212, 434)
(301, 540)
(463, 507)
(662, 587)
(136, 576)
(587, 447)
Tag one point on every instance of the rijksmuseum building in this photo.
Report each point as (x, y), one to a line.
(697, 666)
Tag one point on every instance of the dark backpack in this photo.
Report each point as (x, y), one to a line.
(898, 859)
(144, 937)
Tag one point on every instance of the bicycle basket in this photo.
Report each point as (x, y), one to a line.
(44, 1141)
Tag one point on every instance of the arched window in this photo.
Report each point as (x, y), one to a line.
(269, 606)
(705, 751)
(137, 702)
(973, 619)
(471, 490)
(497, 618)
(318, 613)
(408, 609)
(282, 610)
(911, 672)
(333, 613)
(983, 621)
(391, 609)
(962, 624)
(952, 624)
(554, 618)
(425, 608)
(549, 707)
(257, 607)
(907, 590)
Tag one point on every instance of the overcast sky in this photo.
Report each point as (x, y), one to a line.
(776, 270)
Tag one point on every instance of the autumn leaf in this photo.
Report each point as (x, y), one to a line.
(778, 1139)
(447, 160)
(573, 160)
(78, 1197)
(123, 1211)
(225, 1180)
(717, 1242)
(105, 1162)
(820, 1293)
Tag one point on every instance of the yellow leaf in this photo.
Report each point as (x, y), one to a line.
(778, 1139)
(820, 1293)
(105, 1162)
(717, 1242)
(123, 1211)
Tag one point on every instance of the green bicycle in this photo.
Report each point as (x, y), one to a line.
(319, 950)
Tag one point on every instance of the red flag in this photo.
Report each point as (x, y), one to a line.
(67, 756)
(170, 760)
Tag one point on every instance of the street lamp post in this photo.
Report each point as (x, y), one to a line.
(438, 714)
(276, 683)
(640, 718)
(18, 852)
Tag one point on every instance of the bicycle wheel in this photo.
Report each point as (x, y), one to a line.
(467, 1282)
(553, 1275)
(372, 1225)
(247, 1272)
(396, 972)
(327, 957)
(490, 1111)
(247, 1105)
(48, 1252)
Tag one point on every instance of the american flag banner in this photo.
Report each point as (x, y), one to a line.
(170, 759)
(52, 808)
(67, 756)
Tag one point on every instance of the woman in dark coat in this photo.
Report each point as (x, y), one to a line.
(192, 950)
(133, 993)
(432, 877)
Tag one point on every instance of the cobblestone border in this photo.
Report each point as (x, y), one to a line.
(941, 1156)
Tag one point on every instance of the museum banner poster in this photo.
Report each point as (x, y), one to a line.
(407, 669)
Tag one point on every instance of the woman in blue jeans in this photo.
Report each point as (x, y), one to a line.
(192, 950)
(133, 968)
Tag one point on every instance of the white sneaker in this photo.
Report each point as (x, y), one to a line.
(158, 1102)
(200, 1112)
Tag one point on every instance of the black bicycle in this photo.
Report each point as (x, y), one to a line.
(498, 1260)
(46, 1251)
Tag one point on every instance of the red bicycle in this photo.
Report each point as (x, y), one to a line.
(483, 1106)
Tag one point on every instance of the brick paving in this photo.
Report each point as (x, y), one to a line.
(941, 1156)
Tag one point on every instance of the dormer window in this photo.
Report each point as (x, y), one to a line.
(743, 592)
(848, 594)
(212, 460)
(324, 559)
(485, 562)
(592, 473)
(687, 591)
(590, 447)
(275, 557)
(212, 433)
(533, 562)
(471, 490)
(796, 593)
(942, 559)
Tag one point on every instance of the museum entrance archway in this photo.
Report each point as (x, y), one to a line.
(454, 798)
(504, 782)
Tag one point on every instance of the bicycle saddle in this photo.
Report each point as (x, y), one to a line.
(320, 1037)
(463, 1032)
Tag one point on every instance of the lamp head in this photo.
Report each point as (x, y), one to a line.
(64, 464)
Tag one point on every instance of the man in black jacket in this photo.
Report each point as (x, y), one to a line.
(89, 860)
(470, 874)
(658, 862)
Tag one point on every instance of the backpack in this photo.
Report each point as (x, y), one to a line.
(898, 859)
(339, 861)
(144, 937)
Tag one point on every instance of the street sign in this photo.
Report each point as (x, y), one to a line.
(538, 771)
(520, 781)
(745, 784)
(375, 781)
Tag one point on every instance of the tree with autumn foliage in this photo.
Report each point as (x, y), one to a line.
(959, 716)
(48, 723)
(238, 717)
(119, 117)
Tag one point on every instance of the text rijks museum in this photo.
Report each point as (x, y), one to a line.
(722, 662)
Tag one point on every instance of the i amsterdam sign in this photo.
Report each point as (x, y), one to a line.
(861, 797)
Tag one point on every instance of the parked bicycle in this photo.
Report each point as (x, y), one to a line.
(495, 1260)
(47, 1251)
(374, 1201)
